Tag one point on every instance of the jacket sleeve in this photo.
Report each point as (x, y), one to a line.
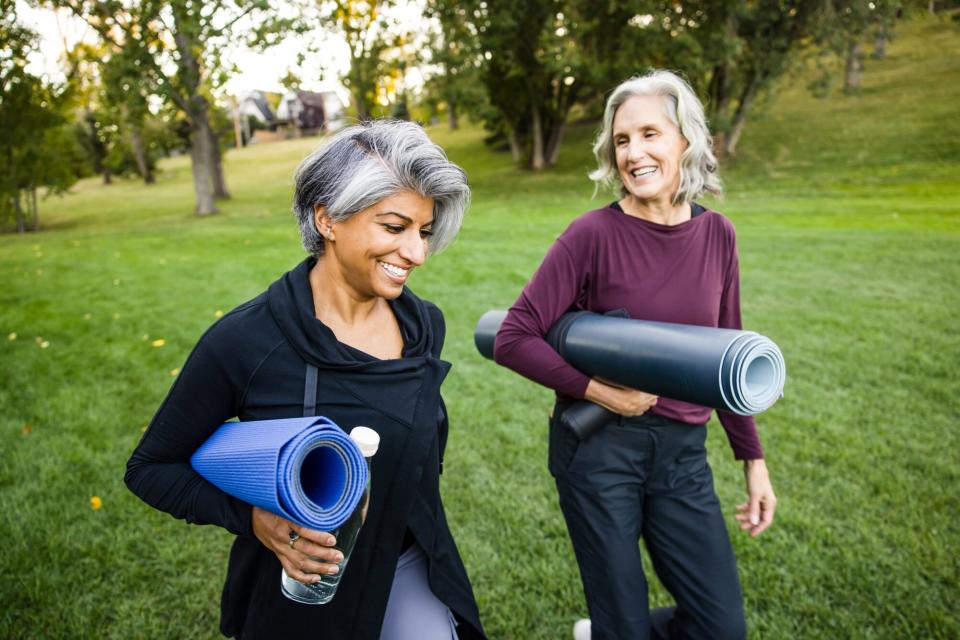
(206, 393)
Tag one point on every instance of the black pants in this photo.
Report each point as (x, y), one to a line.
(647, 476)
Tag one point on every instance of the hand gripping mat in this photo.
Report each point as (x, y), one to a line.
(306, 470)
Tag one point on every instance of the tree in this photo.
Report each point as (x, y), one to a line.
(456, 53)
(362, 25)
(756, 44)
(36, 149)
(179, 46)
(544, 57)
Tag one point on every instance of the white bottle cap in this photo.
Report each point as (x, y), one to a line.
(367, 439)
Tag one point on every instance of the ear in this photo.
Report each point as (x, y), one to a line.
(323, 223)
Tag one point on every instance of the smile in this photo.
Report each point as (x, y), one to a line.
(393, 270)
(643, 171)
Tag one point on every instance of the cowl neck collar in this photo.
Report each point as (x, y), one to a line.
(290, 300)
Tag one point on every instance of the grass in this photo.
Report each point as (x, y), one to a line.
(848, 217)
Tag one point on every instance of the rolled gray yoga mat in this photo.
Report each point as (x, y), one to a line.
(738, 371)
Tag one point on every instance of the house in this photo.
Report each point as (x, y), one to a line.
(257, 121)
(309, 112)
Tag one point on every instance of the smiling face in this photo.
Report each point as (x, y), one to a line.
(649, 149)
(374, 251)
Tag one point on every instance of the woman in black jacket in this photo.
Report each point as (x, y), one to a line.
(340, 336)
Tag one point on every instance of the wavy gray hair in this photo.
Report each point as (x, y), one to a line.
(365, 163)
(698, 165)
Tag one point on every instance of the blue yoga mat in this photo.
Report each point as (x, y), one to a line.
(738, 371)
(306, 470)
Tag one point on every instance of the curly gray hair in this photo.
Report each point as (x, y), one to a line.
(365, 163)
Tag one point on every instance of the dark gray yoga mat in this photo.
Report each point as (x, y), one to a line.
(738, 371)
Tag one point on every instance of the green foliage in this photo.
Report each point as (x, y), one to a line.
(36, 148)
(848, 228)
(457, 85)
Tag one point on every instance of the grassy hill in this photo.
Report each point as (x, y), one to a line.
(848, 218)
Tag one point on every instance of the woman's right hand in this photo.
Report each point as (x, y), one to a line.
(305, 559)
(625, 402)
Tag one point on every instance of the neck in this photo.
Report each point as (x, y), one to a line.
(658, 211)
(335, 300)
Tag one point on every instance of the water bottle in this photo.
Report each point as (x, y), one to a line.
(323, 591)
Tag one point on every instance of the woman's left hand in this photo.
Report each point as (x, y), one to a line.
(757, 514)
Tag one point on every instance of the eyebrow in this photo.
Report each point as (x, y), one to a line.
(400, 215)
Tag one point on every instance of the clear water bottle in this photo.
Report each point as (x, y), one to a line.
(323, 591)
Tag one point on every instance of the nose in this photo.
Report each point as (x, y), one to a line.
(636, 149)
(414, 248)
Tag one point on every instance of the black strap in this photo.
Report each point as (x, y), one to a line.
(310, 392)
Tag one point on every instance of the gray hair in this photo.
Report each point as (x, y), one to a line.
(365, 163)
(698, 165)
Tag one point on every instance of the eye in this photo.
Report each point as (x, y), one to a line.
(620, 142)
(426, 234)
(650, 134)
(393, 228)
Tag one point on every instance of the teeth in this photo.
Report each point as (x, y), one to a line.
(393, 269)
(644, 172)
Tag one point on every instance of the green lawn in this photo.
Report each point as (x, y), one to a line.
(848, 215)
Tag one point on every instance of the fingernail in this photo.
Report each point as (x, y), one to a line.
(334, 570)
(338, 557)
(754, 520)
(331, 541)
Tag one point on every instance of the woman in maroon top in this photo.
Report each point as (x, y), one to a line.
(660, 256)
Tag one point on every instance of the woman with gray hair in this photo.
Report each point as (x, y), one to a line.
(340, 335)
(658, 255)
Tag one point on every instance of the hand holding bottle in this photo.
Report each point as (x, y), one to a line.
(306, 554)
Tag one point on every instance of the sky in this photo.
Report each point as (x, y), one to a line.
(262, 71)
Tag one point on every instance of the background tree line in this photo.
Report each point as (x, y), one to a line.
(147, 86)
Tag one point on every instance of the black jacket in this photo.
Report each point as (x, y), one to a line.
(252, 364)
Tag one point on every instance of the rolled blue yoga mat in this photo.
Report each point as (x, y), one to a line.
(738, 371)
(306, 470)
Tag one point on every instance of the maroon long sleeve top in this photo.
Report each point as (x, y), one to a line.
(607, 260)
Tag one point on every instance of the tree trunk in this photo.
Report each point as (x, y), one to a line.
(452, 117)
(216, 167)
(107, 178)
(537, 161)
(880, 43)
(932, 7)
(515, 151)
(851, 76)
(553, 142)
(34, 209)
(18, 209)
(136, 143)
(730, 141)
(237, 129)
(200, 163)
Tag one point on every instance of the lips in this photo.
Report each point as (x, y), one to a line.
(643, 172)
(398, 274)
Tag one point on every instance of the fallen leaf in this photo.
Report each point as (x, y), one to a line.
(174, 372)
(12, 335)
(218, 313)
(159, 342)
(27, 429)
